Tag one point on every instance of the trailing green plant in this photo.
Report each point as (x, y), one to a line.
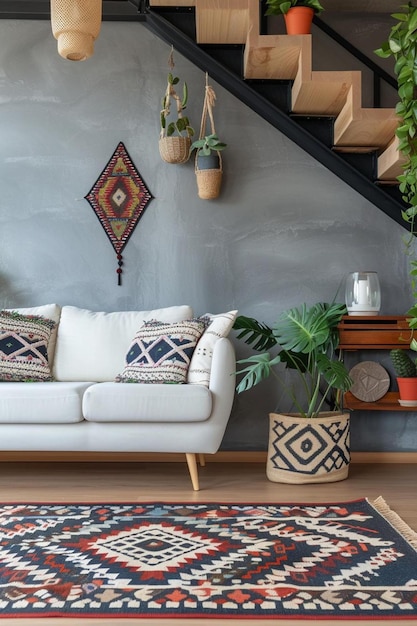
(402, 46)
(181, 125)
(208, 144)
(404, 365)
(306, 339)
(278, 7)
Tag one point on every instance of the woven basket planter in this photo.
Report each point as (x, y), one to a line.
(209, 173)
(175, 149)
(209, 183)
(314, 450)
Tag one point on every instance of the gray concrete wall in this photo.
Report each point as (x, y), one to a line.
(284, 231)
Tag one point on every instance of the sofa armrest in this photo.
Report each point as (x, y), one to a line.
(222, 387)
(223, 369)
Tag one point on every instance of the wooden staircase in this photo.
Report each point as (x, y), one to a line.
(313, 93)
(272, 74)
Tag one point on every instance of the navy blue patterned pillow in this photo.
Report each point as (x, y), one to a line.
(24, 347)
(161, 352)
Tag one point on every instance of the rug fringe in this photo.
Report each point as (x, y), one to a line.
(395, 520)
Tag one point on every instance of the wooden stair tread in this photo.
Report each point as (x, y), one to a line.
(390, 162)
(324, 93)
(274, 56)
(221, 21)
(367, 127)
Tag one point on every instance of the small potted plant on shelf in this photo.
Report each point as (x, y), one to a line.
(406, 371)
(302, 443)
(298, 14)
(176, 130)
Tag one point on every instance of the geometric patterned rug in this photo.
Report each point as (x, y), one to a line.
(354, 560)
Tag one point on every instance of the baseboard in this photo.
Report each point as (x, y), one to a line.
(153, 457)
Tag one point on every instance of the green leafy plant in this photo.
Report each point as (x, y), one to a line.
(181, 125)
(306, 339)
(402, 46)
(208, 144)
(278, 7)
(404, 365)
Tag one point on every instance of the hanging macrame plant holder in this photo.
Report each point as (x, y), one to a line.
(173, 148)
(209, 181)
(76, 25)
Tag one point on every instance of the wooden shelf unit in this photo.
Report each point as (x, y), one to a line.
(374, 333)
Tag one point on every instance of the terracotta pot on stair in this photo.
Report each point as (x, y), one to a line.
(298, 20)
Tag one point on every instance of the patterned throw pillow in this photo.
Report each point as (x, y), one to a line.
(24, 347)
(161, 352)
(219, 326)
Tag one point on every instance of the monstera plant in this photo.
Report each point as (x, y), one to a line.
(305, 340)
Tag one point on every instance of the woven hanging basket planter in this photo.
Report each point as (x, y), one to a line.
(76, 25)
(209, 182)
(175, 149)
(176, 131)
(308, 450)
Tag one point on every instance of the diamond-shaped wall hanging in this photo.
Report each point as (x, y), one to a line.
(118, 198)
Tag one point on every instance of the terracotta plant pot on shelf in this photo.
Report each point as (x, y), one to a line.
(298, 20)
(406, 370)
(408, 390)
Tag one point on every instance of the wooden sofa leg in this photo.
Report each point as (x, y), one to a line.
(192, 468)
(202, 459)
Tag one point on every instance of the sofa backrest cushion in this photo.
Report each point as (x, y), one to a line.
(92, 346)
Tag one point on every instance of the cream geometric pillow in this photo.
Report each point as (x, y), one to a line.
(161, 352)
(24, 347)
(219, 326)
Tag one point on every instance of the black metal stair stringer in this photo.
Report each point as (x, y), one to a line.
(272, 114)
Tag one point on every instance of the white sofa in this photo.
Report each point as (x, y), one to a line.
(84, 409)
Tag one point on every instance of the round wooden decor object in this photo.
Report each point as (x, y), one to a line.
(370, 381)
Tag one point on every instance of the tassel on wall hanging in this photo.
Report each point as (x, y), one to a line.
(118, 198)
(208, 160)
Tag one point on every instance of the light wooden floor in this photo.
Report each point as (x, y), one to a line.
(226, 482)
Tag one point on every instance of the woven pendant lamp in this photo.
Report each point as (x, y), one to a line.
(76, 24)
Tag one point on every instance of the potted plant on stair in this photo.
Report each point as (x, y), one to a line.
(311, 445)
(406, 372)
(298, 14)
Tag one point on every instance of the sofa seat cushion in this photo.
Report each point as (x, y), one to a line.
(41, 403)
(92, 345)
(129, 402)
